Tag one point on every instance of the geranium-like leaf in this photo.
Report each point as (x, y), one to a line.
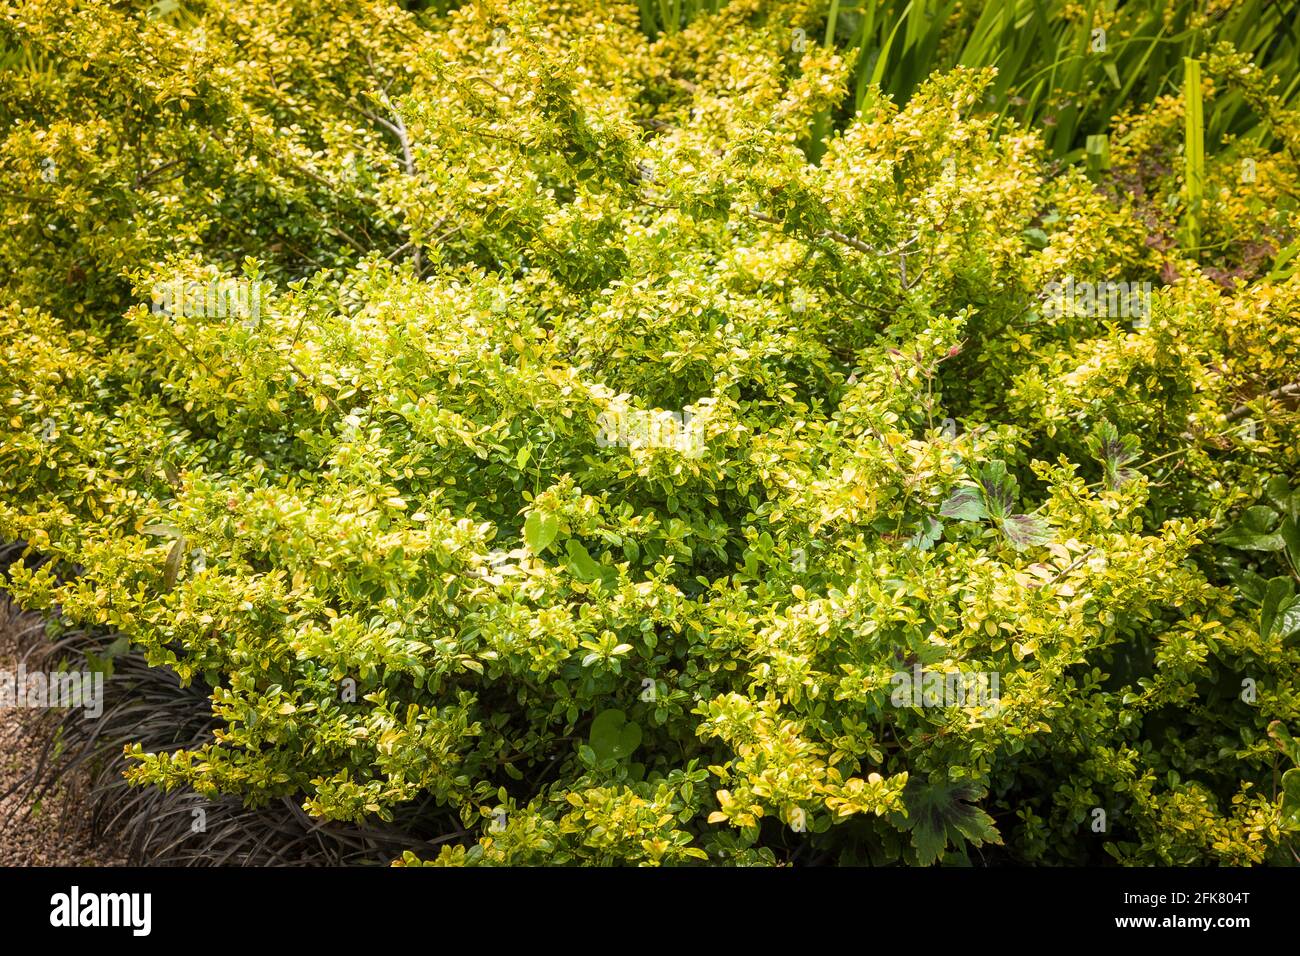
(1000, 489)
(927, 535)
(940, 814)
(1115, 452)
(1025, 531)
(964, 504)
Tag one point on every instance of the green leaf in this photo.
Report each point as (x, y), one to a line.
(964, 504)
(172, 569)
(173, 476)
(1286, 622)
(613, 736)
(582, 564)
(1254, 531)
(1000, 490)
(1285, 742)
(1193, 150)
(1025, 531)
(1251, 585)
(930, 531)
(1290, 803)
(1035, 237)
(540, 530)
(1115, 452)
(1112, 73)
(1277, 600)
(938, 814)
(1286, 498)
(1290, 533)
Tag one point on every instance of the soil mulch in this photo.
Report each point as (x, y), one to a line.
(55, 830)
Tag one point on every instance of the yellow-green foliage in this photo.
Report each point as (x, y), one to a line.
(596, 651)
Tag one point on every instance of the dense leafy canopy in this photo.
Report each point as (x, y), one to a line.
(383, 524)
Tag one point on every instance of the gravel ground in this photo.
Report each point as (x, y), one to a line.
(55, 833)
